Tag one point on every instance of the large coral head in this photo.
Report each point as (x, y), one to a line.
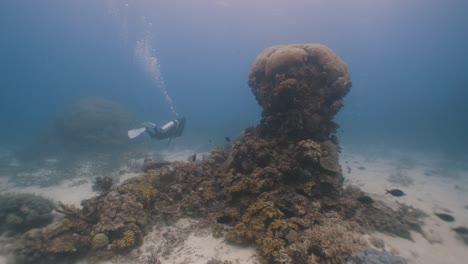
(300, 88)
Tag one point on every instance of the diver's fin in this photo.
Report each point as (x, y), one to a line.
(136, 132)
(149, 125)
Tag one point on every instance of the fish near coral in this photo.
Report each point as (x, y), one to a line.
(365, 199)
(461, 230)
(395, 192)
(445, 217)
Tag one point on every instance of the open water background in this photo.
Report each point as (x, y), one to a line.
(408, 62)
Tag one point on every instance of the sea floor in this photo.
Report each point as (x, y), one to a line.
(430, 182)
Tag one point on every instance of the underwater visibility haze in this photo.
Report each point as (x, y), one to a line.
(407, 60)
(389, 88)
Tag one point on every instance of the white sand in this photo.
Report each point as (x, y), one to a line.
(189, 241)
(64, 192)
(443, 190)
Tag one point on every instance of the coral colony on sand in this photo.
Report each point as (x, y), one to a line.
(92, 124)
(21, 212)
(280, 186)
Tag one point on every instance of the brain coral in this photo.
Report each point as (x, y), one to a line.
(300, 88)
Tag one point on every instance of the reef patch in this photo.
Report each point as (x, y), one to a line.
(279, 186)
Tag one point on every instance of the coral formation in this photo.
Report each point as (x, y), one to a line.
(117, 218)
(279, 186)
(329, 242)
(300, 88)
(149, 164)
(378, 216)
(127, 240)
(103, 183)
(99, 240)
(21, 212)
(92, 124)
(52, 243)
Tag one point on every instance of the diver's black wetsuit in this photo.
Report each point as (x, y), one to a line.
(173, 128)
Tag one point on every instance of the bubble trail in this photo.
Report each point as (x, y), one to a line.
(144, 53)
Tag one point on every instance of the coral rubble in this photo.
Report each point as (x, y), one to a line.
(280, 186)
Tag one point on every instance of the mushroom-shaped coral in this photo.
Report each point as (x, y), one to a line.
(300, 88)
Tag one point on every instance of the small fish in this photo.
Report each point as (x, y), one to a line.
(228, 139)
(395, 192)
(461, 230)
(349, 169)
(446, 217)
(194, 157)
(361, 167)
(365, 199)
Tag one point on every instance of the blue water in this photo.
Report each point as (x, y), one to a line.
(408, 62)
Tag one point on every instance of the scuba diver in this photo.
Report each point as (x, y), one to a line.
(171, 129)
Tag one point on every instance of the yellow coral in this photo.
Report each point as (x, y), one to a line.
(261, 222)
(61, 245)
(147, 192)
(277, 224)
(246, 200)
(271, 247)
(256, 182)
(232, 212)
(143, 187)
(309, 151)
(208, 195)
(127, 241)
(334, 241)
(68, 222)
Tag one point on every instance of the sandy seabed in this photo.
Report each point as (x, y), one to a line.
(430, 185)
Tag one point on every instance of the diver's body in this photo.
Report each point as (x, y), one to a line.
(171, 129)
